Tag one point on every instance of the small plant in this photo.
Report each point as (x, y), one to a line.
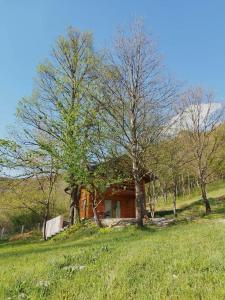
(105, 230)
(20, 290)
(43, 287)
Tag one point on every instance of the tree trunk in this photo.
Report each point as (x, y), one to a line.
(97, 221)
(152, 202)
(197, 183)
(135, 150)
(153, 199)
(94, 206)
(140, 200)
(165, 194)
(189, 185)
(71, 213)
(44, 229)
(183, 185)
(75, 205)
(139, 197)
(46, 216)
(205, 199)
(175, 200)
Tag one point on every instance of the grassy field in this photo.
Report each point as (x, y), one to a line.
(182, 261)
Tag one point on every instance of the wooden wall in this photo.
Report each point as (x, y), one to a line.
(113, 193)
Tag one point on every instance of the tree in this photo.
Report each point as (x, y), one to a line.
(59, 117)
(135, 100)
(200, 117)
(35, 174)
(170, 165)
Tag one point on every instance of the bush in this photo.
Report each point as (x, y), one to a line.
(28, 219)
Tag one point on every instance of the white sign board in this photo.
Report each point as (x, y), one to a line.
(54, 226)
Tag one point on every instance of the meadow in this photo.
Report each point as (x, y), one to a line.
(185, 260)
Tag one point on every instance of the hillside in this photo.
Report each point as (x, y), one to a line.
(182, 261)
(20, 203)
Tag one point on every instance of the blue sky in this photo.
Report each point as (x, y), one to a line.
(190, 35)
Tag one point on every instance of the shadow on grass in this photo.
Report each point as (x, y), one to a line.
(197, 209)
(189, 207)
(76, 241)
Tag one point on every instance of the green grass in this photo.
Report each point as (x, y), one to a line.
(192, 205)
(183, 261)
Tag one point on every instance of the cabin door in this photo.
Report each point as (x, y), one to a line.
(108, 209)
(116, 213)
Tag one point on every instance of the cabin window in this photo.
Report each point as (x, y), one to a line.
(117, 209)
(112, 209)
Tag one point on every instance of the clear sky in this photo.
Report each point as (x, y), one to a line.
(190, 35)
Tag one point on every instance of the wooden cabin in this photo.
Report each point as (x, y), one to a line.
(117, 202)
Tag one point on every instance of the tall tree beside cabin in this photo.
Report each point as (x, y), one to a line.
(135, 100)
(59, 116)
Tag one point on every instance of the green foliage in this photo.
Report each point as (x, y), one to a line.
(61, 117)
(28, 219)
(14, 203)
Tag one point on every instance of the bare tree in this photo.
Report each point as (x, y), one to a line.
(135, 100)
(200, 116)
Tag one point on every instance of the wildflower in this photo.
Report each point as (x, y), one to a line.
(43, 283)
(22, 296)
(72, 268)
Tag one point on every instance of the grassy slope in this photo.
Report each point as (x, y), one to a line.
(27, 192)
(192, 205)
(184, 261)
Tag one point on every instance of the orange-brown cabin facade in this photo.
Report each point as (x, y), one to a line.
(117, 202)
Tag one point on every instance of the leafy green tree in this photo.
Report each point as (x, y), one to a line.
(59, 117)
